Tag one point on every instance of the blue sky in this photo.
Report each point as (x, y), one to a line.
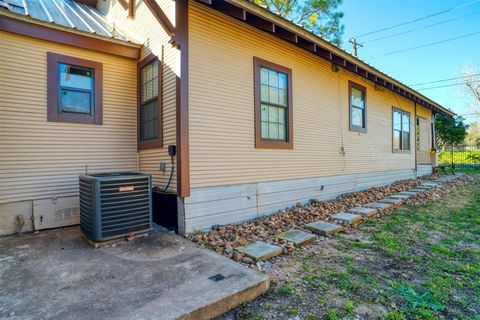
(432, 63)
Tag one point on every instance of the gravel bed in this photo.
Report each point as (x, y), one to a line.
(225, 238)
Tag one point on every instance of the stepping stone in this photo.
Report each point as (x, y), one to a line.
(365, 212)
(430, 184)
(391, 200)
(296, 236)
(347, 218)
(379, 205)
(323, 228)
(418, 190)
(260, 250)
(401, 196)
(423, 187)
(408, 193)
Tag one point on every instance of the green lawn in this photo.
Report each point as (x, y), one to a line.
(459, 157)
(418, 263)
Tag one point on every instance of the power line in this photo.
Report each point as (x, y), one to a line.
(428, 44)
(425, 27)
(418, 19)
(443, 80)
(443, 86)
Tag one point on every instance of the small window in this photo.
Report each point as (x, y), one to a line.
(358, 107)
(401, 130)
(74, 89)
(273, 105)
(149, 107)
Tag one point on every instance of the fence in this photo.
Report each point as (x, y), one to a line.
(461, 156)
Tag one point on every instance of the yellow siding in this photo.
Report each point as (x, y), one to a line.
(147, 30)
(41, 159)
(425, 142)
(221, 111)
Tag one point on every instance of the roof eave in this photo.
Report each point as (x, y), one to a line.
(24, 25)
(263, 19)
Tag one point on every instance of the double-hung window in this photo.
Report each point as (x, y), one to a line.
(358, 107)
(149, 135)
(273, 105)
(74, 89)
(401, 130)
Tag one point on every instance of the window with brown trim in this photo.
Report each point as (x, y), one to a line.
(273, 105)
(358, 107)
(401, 131)
(149, 103)
(74, 89)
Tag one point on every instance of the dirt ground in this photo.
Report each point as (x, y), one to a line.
(420, 262)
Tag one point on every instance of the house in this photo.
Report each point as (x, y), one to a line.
(263, 113)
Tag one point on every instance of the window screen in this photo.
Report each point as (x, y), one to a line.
(274, 104)
(149, 101)
(401, 130)
(76, 87)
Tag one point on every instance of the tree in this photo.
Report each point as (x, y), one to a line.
(450, 131)
(473, 136)
(320, 16)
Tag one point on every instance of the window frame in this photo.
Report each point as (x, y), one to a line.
(266, 143)
(352, 127)
(158, 142)
(402, 113)
(53, 89)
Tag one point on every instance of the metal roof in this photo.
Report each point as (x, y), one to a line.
(66, 13)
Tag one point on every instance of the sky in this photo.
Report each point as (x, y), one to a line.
(448, 19)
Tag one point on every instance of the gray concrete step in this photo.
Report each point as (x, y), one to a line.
(391, 200)
(379, 205)
(419, 190)
(347, 218)
(401, 196)
(365, 212)
(323, 228)
(408, 193)
(296, 236)
(260, 250)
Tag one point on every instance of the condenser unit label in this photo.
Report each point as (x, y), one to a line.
(127, 188)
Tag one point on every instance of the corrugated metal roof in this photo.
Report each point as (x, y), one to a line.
(65, 13)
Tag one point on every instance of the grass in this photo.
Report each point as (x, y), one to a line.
(421, 262)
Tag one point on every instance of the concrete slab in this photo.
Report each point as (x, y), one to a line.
(323, 228)
(296, 236)
(430, 184)
(419, 190)
(260, 250)
(424, 187)
(347, 218)
(391, 200)
(400, 196)
(408, 193)
(379, 205)
(56, 275)
(365, 212)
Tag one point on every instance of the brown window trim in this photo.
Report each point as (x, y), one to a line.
(352, 127)
(272, 144)
(53, 59)
(402, 151)
(155, 143)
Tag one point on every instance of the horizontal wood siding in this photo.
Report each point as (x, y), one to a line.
(147, 30)
(41, 159)
(221, 111)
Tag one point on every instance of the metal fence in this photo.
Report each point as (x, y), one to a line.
(460, 156)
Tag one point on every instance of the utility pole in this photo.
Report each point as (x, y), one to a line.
(355, 44)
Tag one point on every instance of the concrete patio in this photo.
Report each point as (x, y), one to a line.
(56, 275)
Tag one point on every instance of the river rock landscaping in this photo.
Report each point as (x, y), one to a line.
(226, 239)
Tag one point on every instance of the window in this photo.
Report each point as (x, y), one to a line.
(273, 105)
(149, 112)
(358, 107)
(74, 89)
(401, 130)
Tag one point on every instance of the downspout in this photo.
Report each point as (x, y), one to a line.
(416, 142)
